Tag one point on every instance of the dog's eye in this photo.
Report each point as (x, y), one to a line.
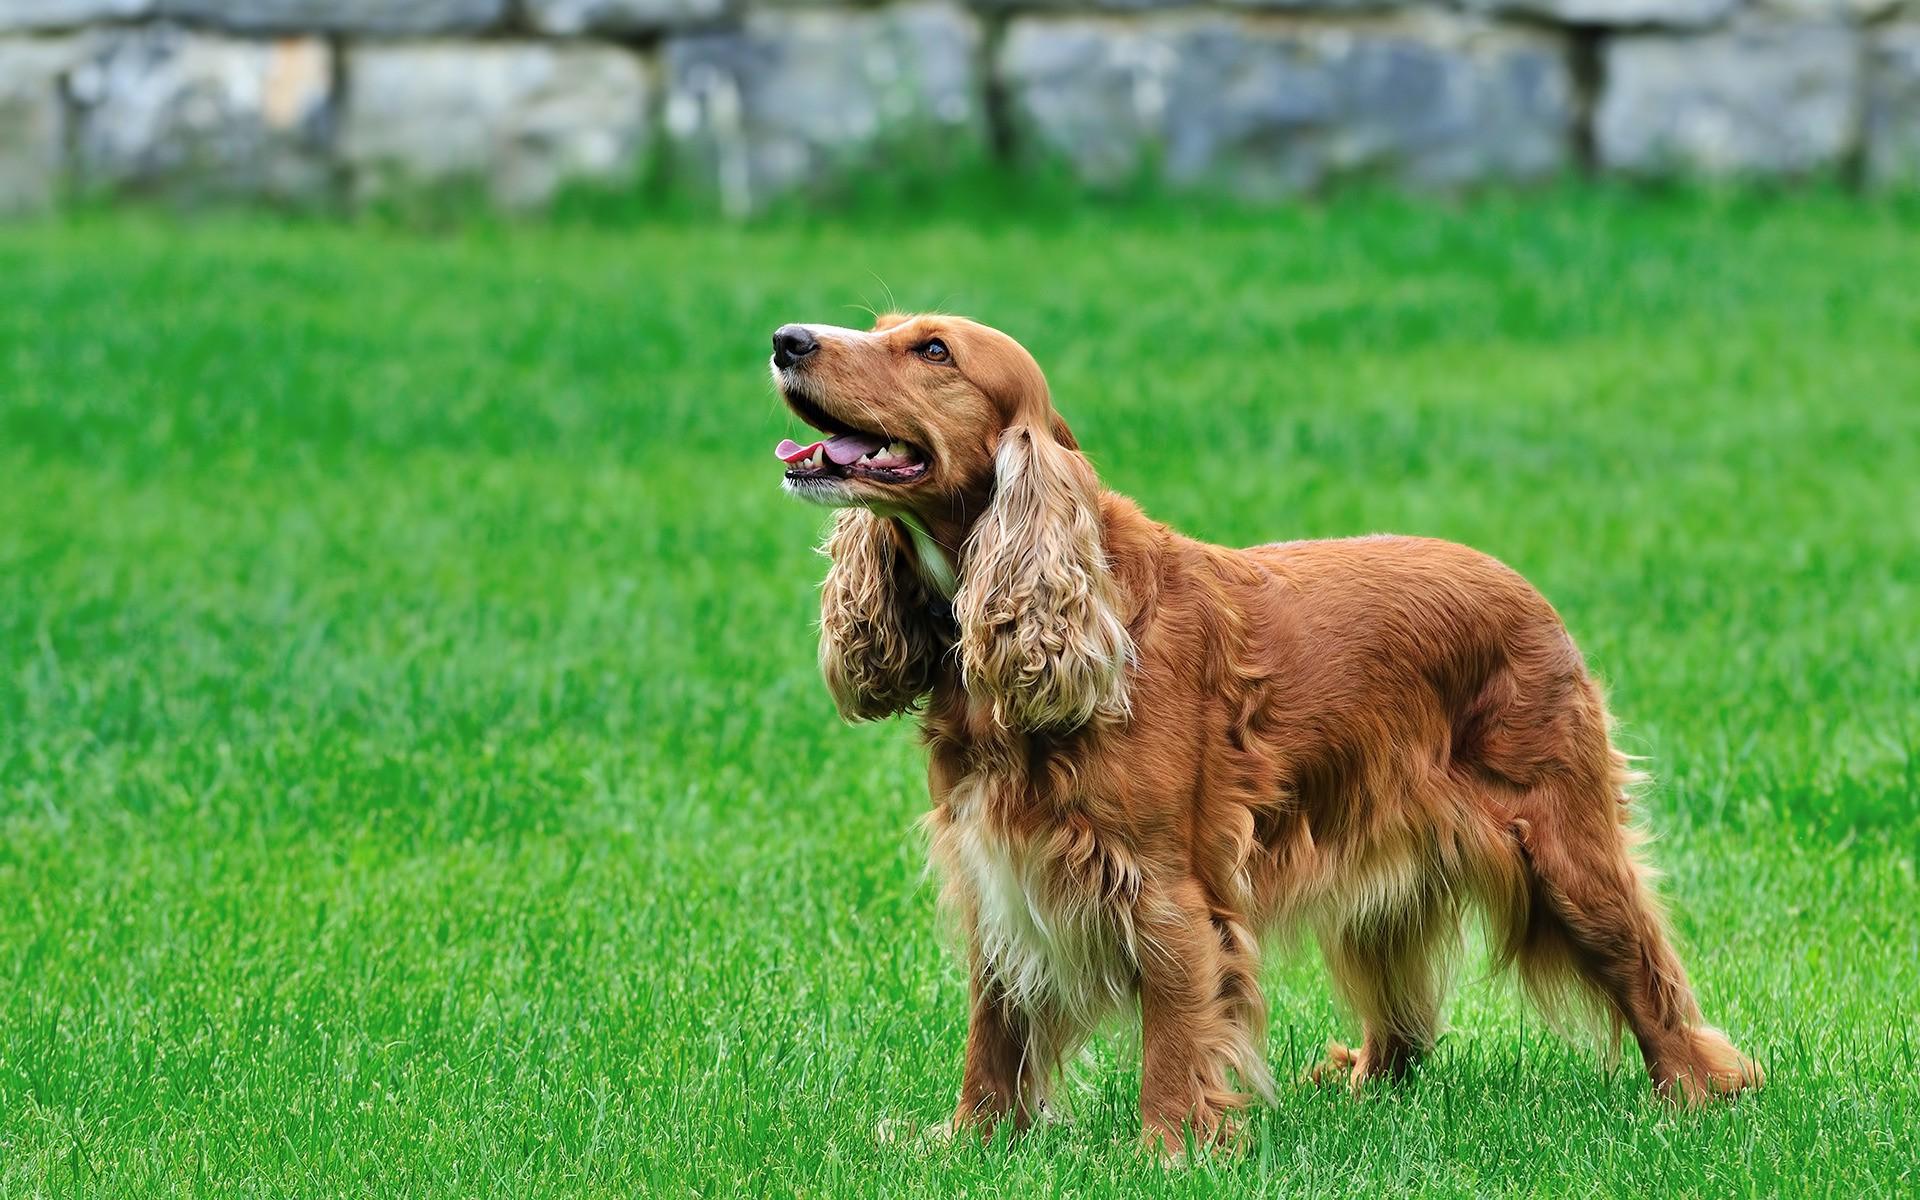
(934, 351)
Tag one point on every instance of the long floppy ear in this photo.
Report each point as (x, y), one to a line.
(1039, 635)
(878, 645)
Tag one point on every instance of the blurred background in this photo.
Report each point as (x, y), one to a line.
(320, 102)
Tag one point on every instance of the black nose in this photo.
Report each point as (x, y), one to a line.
(791, 343)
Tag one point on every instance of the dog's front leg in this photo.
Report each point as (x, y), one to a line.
(1200, 1017)
(1001, 1078)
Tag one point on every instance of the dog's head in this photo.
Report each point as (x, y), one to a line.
(947, 425)
(910, 412)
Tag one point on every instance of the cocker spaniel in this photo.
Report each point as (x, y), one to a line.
(1146, 752)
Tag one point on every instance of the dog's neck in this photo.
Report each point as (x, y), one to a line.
(936, 562)
(936, 550)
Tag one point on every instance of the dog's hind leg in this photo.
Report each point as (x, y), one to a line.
(1592, 920)
(1391, 969)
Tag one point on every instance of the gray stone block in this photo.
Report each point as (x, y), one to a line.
(1104, 7)
(620, 16)
(1832, 10)
(1675, 14)
(1345, 8)
(1113, 6)
(67, 14)
(1276, 106)
(794, 96)
(340, 16)
(1893, 106)
(522, 117)
(32, 118)
(163, 109)
(1777, 98)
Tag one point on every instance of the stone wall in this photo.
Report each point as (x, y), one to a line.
(313, 100)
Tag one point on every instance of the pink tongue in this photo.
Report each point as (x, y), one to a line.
(848, 447)
(852, 447)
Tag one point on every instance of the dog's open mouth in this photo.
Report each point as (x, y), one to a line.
(853, 456)
(846, 452)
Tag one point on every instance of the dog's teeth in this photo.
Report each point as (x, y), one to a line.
(896, 449)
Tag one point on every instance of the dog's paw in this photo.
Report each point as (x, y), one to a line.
(1713, 1070)
(1176, 1144)
(1341, 1065)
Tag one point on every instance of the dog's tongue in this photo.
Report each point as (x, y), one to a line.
(848, 447)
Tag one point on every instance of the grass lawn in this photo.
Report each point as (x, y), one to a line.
(414, 778)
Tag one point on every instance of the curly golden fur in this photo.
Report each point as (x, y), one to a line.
(1040, 642)
(1147, 752)
(876, 656)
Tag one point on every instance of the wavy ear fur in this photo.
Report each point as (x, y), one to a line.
(878, 645)
(1039, 634)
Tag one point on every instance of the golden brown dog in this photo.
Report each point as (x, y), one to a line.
(1146, 752)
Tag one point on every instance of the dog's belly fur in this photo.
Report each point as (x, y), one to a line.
(1070, 948)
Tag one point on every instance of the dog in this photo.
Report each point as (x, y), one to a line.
(1146, 752)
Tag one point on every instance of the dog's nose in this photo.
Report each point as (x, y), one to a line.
(791, 343)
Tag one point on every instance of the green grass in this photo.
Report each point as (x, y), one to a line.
(414, 778)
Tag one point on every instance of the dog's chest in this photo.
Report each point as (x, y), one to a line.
(1052, 942)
